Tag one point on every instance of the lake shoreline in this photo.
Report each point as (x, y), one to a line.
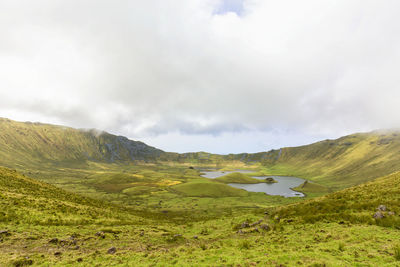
(284, 184)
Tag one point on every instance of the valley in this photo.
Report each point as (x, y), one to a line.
(217, 133)
(75, 198)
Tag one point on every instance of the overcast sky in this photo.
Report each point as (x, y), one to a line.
(200, 75)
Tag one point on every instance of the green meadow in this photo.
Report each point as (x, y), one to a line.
(82, 198)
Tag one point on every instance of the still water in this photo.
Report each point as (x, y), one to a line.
(281, 188)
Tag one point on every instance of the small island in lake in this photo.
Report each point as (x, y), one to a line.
(270, 180)
(241, 178)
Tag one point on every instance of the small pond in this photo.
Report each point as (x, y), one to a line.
(281, 188)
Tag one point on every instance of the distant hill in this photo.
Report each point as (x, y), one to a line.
(26, 142)
(23, 143)
(340, 163)
(337, 164)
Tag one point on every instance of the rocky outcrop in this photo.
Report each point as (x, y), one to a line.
(382, 212)
(379, 215)
(112, 250)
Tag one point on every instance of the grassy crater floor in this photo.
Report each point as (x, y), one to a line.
(43, 225)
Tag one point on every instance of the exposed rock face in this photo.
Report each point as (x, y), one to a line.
(59, 143)
(265, 227)
(112, 250)
(245, 225)
(256, 223)
(119, 148)
(382, 208)
(382, 211)
(378, 215)
(251, 229)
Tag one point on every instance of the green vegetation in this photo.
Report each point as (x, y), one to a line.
(27, 144)
(206, 189)
(84, 198)
(309, 187)
(24, 200)
(355, 205)
(336, 164)
(270, 180)
(238, 178)
(141, 239)
(397, 252)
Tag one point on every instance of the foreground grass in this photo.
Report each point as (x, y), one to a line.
(321, 244)
(45, 226)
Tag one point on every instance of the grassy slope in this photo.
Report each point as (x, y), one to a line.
(356, 204)
(32, 144)
(151, 188)
(309, 187)
(215, 242)
(159, 232)
(27, 200)
(27, 144)
(339, 163)
(33, 213)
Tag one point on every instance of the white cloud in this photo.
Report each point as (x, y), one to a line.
(150, 69)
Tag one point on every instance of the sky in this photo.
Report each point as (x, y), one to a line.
(203, 75)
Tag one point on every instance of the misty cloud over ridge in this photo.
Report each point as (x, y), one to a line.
(153, 69)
